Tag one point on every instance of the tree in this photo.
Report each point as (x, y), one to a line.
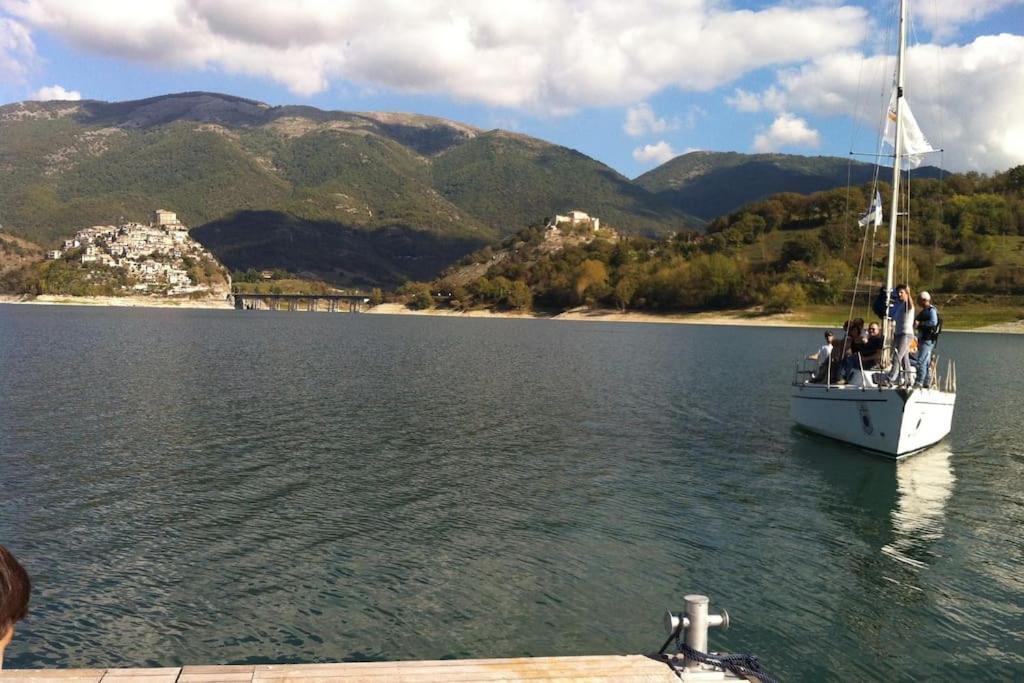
(802, 248)
(520, 297)
(835, 236)
(592, 274)
(419, 296)
(500, 288)
(460, 298)
(376, 296)
(784, 297)
(625, 290)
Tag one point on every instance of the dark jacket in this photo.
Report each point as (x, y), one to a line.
(927, 324)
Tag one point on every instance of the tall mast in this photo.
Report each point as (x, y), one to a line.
(897, 144)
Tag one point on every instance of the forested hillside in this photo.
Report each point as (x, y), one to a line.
(298, 187)
(351, 198)
(966, 238)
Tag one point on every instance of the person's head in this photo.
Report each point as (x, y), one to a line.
(925, 298)
(874, 329)
(14, 591)
(829, 336)
(903, 292)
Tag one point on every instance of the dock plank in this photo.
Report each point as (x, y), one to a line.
(166, 674)
(580, 669)
(56, 675)
(158, 671)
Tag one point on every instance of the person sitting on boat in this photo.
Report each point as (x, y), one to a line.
(823, 356)
(854, 337)
(903, 332)
(14, 591)
(927, 322)
(868, 354)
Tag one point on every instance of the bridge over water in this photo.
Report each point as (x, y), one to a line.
(330, 303)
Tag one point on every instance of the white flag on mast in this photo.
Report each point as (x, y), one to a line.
(874, 214)
(914, 142)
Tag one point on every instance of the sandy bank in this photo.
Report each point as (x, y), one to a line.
(744, 318)
(610, 315)
(121, 301)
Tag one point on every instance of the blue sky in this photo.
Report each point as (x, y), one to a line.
(744, 76)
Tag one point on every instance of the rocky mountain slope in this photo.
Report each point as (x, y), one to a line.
(353, 198)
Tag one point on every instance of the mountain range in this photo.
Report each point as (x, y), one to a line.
(353, 198)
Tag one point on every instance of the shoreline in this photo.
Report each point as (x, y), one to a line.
(113, 301)
(726, 318)
(599, 315)
(740, 318)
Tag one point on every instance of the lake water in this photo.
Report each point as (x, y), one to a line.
(225, 487)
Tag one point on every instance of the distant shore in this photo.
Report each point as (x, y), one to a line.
(609, 315)
(734, 318)
(118, 301)
(742, 318)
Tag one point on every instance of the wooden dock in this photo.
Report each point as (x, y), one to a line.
(594, 669)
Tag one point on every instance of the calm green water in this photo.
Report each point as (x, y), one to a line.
(215, 487)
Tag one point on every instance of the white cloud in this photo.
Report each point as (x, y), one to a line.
(641, 120)
(552, 56)
(772, 99)
(944, 17)
(967, 98)
(745, 101)
(786, 130)
(56, 92)
(17, 51)
(658, 153)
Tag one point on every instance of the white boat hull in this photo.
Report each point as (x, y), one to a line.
(891, 421)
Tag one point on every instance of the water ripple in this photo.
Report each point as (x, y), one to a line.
(193, 486)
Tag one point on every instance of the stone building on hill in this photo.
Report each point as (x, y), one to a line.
(575, 218)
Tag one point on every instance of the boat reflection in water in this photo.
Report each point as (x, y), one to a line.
(897, 510)
(924, 485)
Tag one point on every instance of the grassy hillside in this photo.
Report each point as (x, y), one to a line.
(17, 253)
(407, 181)
(788, 252)
(306, 189)
(510, 181)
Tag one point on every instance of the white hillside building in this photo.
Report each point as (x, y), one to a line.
(573, 219)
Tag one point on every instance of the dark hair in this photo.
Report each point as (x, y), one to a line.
(15, 588)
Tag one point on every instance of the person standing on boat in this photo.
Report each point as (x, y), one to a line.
(903, 332)
(927, 322)
(14, 591)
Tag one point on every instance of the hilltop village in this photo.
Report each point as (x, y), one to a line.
(159, 258)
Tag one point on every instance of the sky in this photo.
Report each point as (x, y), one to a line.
(631, 84)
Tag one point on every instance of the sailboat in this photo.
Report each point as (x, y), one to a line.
(894, 419)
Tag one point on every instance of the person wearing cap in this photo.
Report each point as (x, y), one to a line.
(927, 323)
(823, 356)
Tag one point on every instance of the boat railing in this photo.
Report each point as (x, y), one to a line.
(802, 372)
(945, 382)
(948, 383)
